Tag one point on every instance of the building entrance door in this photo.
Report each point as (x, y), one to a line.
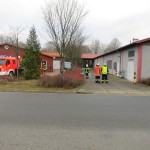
(130, 71)
(56, 64)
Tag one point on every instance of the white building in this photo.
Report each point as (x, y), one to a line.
(129, 59)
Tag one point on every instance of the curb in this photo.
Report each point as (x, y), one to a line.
(30, 91)
(119, 93)
(106, 93)
(80, 87)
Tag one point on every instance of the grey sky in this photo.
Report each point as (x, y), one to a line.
(107, 19)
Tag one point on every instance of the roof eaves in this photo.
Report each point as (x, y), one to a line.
(11, 45)
(46, 55)
(142, 41)
(119, 49)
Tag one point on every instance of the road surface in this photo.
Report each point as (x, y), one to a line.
(34, 121)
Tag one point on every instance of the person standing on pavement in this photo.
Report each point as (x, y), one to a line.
(97, 73)
(86, 71)
(105, 72)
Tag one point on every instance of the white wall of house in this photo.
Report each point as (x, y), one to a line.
(146, 61)
(121, 62)
(129, 64)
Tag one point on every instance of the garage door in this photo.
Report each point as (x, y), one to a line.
(56, 64)
(130, 71)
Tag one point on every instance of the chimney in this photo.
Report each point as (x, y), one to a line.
(134, 40)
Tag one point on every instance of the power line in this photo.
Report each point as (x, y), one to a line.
(42, 35)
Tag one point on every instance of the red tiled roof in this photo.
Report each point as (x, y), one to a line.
(141, 41)
(51, 54)
(11, 45)
(89, 56)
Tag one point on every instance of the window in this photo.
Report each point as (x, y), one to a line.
(131, 53)
(109, 64)
(1, 61)
(115, 65)
(7, 62)
(90, 62)
(44, 63)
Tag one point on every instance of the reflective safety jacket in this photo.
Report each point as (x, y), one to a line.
(44, 67)
(105, 70)
(97, 71)
(86, 70)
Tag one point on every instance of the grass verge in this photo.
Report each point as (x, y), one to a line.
(28, 85)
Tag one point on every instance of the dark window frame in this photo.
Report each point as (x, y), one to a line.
(115, 65)
(131, 53)
(7, 62)
(109, 64)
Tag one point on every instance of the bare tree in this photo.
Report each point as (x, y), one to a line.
(74, 51)
(12, 36)
(95, 47)
(49, 47)
(15, 33)
(86, 49)
(64, 20)
(114, 44)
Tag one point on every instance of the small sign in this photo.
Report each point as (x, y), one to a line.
(6, 46)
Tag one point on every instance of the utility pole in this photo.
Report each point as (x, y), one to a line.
(17, 57)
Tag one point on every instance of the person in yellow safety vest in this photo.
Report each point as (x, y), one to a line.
(86, 72)
(44, 68)
(105, 72)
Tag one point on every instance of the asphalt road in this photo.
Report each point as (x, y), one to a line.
(34, 121)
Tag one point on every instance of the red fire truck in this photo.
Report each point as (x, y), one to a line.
(8, 65)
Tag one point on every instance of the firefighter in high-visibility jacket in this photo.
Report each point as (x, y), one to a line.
(97, 73)
(44, 68)
(86, 71)
(105, 72)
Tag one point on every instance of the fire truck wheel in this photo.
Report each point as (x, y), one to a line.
(11, 74)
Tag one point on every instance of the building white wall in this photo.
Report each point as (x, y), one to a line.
(121, 58)
(146, 61)
(125, 60)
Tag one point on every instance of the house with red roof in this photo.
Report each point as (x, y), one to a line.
(130, 61)
(51, 60)
(11, 50)
(88, 59)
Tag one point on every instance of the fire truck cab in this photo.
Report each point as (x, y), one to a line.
(9, 65)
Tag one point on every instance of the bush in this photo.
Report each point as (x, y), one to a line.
(70, 79)
(146, 81)
(28, 74)
(5, 79)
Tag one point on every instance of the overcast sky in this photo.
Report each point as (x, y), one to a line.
(107, 19)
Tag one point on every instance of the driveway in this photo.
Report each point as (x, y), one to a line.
(116, 86)
(55, 72)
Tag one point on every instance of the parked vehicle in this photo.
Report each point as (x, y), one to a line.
(8, 65)
(67, 65)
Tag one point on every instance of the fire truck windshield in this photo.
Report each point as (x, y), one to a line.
(1, 61)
